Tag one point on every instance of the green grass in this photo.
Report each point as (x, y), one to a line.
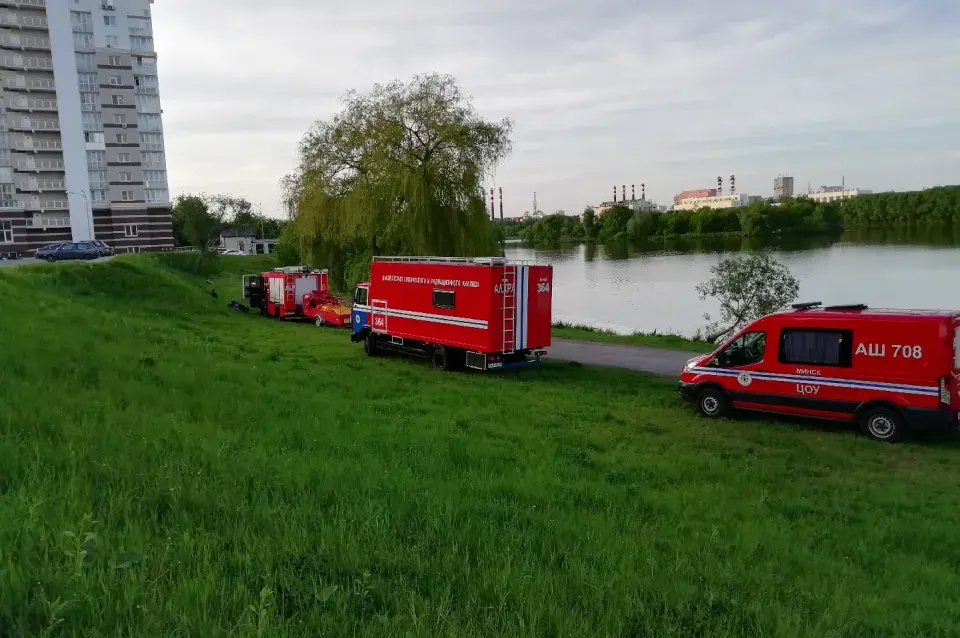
(172, 468)
(668, 341)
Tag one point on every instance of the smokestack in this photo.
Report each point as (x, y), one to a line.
(501, 202)
(624, 198)
(643, 192)
(614, 194)
(719, 185)
(733, 184)
(491, 204)
(633, 192)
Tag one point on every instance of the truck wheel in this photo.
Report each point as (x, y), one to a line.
(440, 359)
(370, 345)
(318, 321)
(883, 424)
(712, 403)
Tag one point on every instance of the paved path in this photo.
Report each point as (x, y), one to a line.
(659, 361)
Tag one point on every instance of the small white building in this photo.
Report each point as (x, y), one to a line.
(246, 241)
(834, 194)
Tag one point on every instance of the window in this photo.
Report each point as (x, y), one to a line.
(6, 232)
(116, 80)
(153, 161)
(96, 159)
(121, 138)
(117, 100)
(112, 41)
(157, 196)
(131, 230)
(443, 299)
(86, 62)
(148, 122)
(745, 350)
(125, 177)
(110, 21)
(120, 119)
(92, 122)
(360, 297)
(98, 180)
(81, 21)
(88, 82)
(816, 347)
(83, 40)
(6, 196)
(126, 196)
(123, 158)
(88, 102)
(151, 141)
(155, 177)
(113, 60)
(99, 196)
(93, 137)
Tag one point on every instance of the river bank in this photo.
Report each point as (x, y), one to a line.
(563, 330)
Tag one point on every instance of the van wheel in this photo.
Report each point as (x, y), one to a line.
(370, 345)
(883, 424)
(712, 403)
(441, 359)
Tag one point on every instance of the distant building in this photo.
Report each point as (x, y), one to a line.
(694, 194)
(716, 201)
(246, 241)
(638, 205)
(783, 186)
(835, 193)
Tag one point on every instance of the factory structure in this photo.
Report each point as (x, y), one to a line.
(713, 197)
(640, 205)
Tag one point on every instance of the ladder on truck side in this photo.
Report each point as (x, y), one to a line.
(509, 308)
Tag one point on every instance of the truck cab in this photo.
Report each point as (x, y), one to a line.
(360, 317)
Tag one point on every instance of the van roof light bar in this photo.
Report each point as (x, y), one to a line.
(807, 305)
(856, 306)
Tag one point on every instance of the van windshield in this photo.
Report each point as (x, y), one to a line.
(360, 296)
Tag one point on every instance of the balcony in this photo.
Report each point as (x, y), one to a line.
(144, 30)
(11, 204)
(41, 84)
(151, 146)
(26, 63)
(24, 22)
(17, 41)
(16, 4)
(56, 204)
(22, 103)
(48, 222)
(51, 185)
(31, 164)
(27, 124)
(39, 145)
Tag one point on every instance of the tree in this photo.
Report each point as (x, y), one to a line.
(399, 170)
(747, 288)
(195, 224)
(589, 220)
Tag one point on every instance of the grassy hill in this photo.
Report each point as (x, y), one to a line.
(169, 467)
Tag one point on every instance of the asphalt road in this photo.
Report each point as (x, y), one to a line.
(667, 363)
(26, 262)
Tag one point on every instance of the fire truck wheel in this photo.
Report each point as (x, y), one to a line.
(370, 345)
(318, 321)
(883, 424)
(712, 403)
(441, 359)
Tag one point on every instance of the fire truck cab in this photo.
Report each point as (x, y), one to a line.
(480, 313)
(890, 371)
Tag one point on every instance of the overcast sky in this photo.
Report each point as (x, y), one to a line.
(667, 93)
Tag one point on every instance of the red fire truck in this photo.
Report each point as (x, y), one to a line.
(887, 370)
(295, 292)
(480, 313)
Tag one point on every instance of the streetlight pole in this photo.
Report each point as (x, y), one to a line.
(87, 208)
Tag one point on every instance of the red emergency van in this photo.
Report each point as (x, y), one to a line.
(481, 313)
(296, 292)
(887, 370)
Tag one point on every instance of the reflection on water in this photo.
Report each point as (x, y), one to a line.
(650, 286)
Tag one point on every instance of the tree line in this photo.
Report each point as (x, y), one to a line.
(199, 219)
(928, 208)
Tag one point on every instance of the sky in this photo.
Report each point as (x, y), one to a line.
(667, 93)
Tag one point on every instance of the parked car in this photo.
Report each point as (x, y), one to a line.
(105, 250)
(71, 250)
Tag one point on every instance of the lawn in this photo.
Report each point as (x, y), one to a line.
(169, 467)
(649, 339)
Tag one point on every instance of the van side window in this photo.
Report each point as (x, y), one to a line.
(745, 350)
(443, 299)
(816, 347)
(360, 297)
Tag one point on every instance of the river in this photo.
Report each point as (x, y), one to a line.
(651, 287)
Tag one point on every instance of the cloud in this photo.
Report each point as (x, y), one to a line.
(670, 94)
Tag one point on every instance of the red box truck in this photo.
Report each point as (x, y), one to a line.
(481, 313)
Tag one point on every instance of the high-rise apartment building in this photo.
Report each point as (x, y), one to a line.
(783, 186)
(81, 138)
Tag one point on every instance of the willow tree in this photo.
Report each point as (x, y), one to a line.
(399, 170)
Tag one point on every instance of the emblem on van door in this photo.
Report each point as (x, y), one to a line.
(744, 379)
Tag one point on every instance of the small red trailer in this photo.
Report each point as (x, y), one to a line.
(481, 313)
(295, 292)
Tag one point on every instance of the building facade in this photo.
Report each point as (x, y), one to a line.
(782, 186)
(835, 193)
(81, 138)
(694, 194)
(716, 201)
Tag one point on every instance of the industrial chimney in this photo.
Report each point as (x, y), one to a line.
(643, 192)
(633, 192)
(500, 188)
(614, 194)
(733, 184)
(491, 204)
(719, 185)
(624, 198)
